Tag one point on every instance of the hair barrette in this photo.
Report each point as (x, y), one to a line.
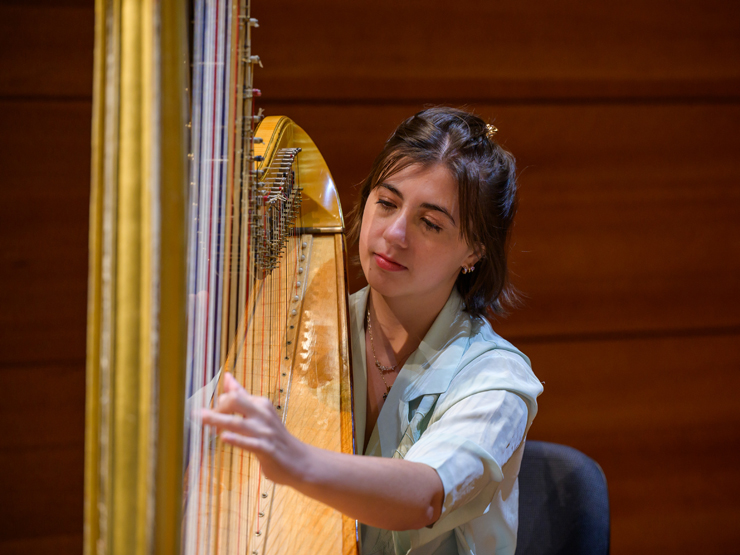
(490, 131)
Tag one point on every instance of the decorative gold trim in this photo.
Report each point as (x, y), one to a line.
(134, 403)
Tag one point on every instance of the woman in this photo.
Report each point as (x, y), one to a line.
(442, 403)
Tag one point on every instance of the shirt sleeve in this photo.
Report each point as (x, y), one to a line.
(468, 446)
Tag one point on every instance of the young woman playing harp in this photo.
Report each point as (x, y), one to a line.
(442, 403)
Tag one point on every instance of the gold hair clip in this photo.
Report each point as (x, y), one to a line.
(490, 131)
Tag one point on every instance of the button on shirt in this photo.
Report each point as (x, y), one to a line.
(462, 404)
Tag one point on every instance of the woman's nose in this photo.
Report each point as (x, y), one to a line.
(395, 233)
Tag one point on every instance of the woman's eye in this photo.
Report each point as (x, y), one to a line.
(430, 225)
(384, 203)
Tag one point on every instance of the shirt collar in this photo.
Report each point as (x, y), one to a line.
(443, 347)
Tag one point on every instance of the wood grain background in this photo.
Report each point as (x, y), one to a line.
(624, 118)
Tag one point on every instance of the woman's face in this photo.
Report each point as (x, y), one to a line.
(410, 243)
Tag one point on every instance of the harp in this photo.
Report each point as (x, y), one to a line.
(220, 250)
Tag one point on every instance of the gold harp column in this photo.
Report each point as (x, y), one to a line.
(137, 284)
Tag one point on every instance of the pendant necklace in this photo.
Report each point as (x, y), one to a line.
(382, 369)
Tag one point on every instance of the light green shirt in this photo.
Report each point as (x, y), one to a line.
(462, 404)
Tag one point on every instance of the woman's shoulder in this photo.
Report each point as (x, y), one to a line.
(483, 339)
(489, 353)
(492, 363)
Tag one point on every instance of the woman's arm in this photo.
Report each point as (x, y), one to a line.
(386, 493)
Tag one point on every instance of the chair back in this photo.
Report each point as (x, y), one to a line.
(563, 502)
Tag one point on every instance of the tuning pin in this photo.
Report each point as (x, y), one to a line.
(251, 93)
(253, 22)
(253, 60)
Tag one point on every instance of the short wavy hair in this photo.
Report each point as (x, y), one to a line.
(486, 177)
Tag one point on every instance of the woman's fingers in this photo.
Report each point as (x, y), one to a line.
(248, 427)
(237, 431)
(242, 413)
(245, 404)
(232, 422)
(235, 401)
(220, 420)
(238, 440)
(230, 383)
(238, 411)
(252, 423)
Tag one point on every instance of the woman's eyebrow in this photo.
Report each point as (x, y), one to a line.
(427, 205)
(438, 208)
(392, 189)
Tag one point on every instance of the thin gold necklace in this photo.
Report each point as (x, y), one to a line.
(382, 369)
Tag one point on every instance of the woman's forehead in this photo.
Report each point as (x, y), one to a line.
(420, 180)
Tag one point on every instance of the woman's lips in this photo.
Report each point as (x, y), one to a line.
(387, 264)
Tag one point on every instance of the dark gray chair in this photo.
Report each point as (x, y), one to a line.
(563, 503)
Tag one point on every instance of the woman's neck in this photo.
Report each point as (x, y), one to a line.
(404, 322)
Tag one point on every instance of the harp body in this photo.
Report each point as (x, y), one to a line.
(273, 310)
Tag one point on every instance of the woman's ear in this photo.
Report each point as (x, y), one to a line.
(474, 255)
(479, 251)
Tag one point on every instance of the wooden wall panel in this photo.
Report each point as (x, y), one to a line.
(44, 153)
(46, 49)
(45, 111)
(386, 50)
(42, 494)
(66, 544)
(42, 455)
(475, 50)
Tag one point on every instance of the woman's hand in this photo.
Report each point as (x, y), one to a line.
(386, 493)
(252, 423)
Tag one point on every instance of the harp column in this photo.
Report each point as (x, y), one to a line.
(137, 295)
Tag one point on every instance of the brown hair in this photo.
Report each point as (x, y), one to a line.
(486, 177)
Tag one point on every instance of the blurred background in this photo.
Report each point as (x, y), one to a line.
(625, 121)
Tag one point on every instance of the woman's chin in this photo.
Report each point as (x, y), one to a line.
(383, 285)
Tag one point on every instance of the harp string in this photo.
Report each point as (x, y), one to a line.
(194, 375)
(240, 296)
(207, 248)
